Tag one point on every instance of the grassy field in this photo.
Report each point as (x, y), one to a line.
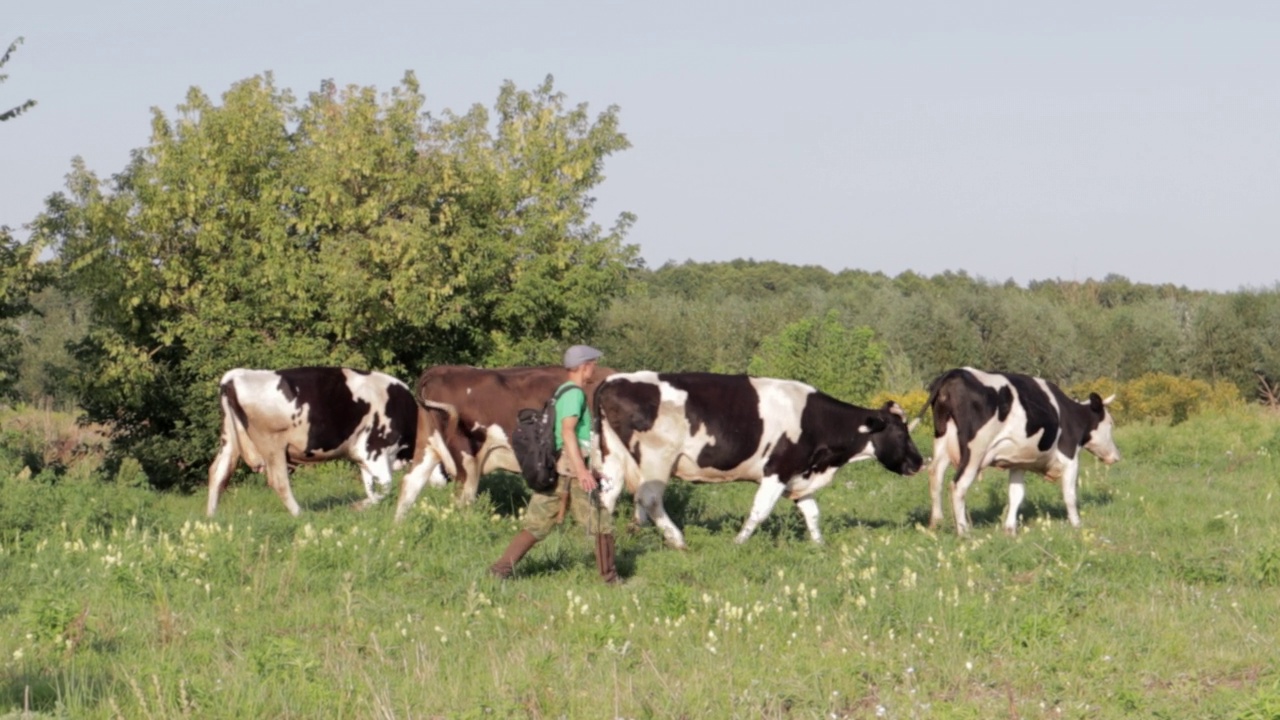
(118, 602)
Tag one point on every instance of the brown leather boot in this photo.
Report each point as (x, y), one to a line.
(520, 544)
(604, 559)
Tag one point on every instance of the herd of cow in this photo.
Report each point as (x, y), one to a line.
(784, 435)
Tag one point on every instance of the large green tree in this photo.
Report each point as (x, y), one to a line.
(19, 272)
(347, 229)
(21, 275)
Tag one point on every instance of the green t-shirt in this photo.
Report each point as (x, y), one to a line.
(574, 404)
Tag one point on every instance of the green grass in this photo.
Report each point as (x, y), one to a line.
(119, 602)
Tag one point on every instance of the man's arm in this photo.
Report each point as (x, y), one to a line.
(568, 431)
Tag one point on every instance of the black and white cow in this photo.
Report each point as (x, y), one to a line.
(1015, 423)
(705, 427)
(273, 419)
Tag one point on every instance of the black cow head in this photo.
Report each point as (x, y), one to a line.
(894, 447)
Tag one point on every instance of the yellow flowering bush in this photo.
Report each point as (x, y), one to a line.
(1162, 397)
(912, 401)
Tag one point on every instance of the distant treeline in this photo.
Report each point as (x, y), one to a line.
(714, 316)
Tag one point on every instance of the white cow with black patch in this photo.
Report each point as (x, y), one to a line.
(706, 427)
(273, 419)
(1015, 423)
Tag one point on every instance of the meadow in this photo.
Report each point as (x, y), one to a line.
(122, 602)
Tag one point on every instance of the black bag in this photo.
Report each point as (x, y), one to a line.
(534, 442)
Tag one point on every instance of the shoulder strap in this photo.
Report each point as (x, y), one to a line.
(566, 387)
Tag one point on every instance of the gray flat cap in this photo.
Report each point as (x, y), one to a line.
(579, 354)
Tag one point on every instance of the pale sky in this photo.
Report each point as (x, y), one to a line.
(1013, 140)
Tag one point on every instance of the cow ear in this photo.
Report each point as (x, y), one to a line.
(873, 424)
(896, 409)
(1097, 404)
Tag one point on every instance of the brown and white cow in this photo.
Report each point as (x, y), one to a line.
(1015, 423)
(466, 420)
(706, 427)
(273, 419)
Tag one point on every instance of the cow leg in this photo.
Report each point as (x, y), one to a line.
(614, 479)
(1069, 480)
(1017, 491)
(278, 479)
(376, 475)
(766, 497)
(223, 466)
(382, 472)
(937, 477)
(809, 509)
(413, 482)
(639, 518)
(468, 479)
(610, 491)
(964, 478)
(649, 495)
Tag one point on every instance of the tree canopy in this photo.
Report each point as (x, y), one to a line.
(348, 229)
(21, 275)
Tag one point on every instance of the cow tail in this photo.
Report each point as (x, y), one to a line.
(450, 430)
(624, 462)
(597, 425)
(450, 411)
(234, 422)
(440, 436)
(233, 418)
(597, 417)
(451, 414)
(940, 414)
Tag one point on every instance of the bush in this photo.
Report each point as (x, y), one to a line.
(1162, 397)
(40, 439)
(913, 402)
(846, 363)
(1103, 386)
(1157, 396)
(37, 505)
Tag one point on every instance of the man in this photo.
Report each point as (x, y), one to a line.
(577, 482)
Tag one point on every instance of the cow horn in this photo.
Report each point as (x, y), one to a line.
(1107, 400)
(914, 424)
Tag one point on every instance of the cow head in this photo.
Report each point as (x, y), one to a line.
(1099, 440)
(892, 441)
